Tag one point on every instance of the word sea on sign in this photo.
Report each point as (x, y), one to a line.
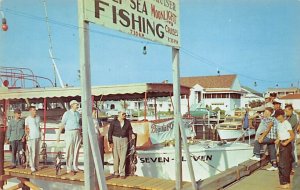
(155, 20)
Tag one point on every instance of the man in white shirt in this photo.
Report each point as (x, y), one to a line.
(70, 121)
(285, 138)
(33, 132)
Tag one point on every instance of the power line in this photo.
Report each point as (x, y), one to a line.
(213, 64)
(71, 26)
(197, 57)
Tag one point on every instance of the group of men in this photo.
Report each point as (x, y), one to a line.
(26, 135)
(19, 131)
(276, 132)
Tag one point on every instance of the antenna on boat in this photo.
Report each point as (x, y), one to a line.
(56, 72)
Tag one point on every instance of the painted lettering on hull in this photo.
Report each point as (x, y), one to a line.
(163, 159)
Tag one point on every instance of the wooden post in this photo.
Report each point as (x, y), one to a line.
(45, 118)
(188, 104)
(177, 115)
(155, 109)
(145, 107)
(2, 137)
(92, 159)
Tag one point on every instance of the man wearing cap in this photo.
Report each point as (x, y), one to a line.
(70, 121)
(268, 103)
(15, 135)
(276, 104)
(33, 132)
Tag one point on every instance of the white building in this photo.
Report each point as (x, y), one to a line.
(250, 95)
(163, 104)
(292, 99)
(283, 91)
(223, 91)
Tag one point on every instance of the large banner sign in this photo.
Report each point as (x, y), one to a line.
(165, 131)
(156, 20)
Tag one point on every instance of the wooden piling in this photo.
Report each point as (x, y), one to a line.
(2, 139)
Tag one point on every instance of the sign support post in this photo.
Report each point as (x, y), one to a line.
(176, 94)
(92, 159)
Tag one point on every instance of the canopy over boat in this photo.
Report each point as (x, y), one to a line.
(102, 93)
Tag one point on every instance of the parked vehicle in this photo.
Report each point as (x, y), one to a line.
(203, 112)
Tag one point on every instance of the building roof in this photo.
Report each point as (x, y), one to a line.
(291, 96)
(219, 81)
(246, 88)
(291, 89)
(114, 92)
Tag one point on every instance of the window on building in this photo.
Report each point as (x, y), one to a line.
(112, 106)
(235, 96)
(198, 96)
(224, 95)
(160, 105)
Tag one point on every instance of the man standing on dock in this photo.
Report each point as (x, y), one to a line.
(33, 131)
(291, 117)
(15, 135)
(70, 121)
(120, 130)
(285, 138)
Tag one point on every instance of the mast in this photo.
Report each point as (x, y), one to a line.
(56, 72)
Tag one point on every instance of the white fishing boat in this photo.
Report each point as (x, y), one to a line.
(153, 157)
(208, 159)
(232, 128)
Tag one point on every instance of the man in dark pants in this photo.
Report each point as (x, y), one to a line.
(285, 139)
(119, 131)
(292, 118)
(15, 135)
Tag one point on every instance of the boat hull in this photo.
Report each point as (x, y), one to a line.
(207, 161)
(226, 134)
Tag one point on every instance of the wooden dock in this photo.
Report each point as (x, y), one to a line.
(250, 175)
(47, 173)
(260, 179)
(267, 180)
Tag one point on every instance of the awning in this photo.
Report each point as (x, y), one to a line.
(103, 93)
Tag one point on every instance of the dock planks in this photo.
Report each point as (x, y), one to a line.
(48, 173)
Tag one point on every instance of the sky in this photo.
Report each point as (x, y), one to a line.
(256, 39)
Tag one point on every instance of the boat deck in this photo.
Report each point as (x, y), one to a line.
(48, 173)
